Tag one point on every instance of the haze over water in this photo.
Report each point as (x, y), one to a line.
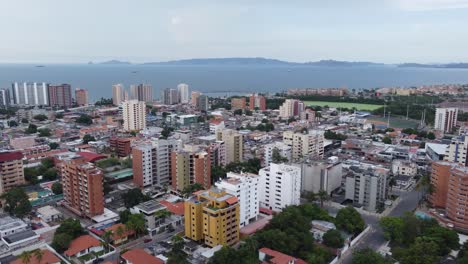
(226, 80)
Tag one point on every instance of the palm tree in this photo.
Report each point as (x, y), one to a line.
(119, 231)
(39, 254)
(107, 239)
(323, 196)
(26, 257)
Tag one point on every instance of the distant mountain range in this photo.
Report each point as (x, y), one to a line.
(273, 62)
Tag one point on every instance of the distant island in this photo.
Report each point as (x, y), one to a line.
(275, 62)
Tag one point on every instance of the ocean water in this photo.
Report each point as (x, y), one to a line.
(226, 80)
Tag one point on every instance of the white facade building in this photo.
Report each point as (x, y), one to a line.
(30, 94)
(446, 119)
(280, 186)
(367, 187)
(457, 151)
(118, 94)
(321, 175)
(404, 167)
(245, 187)
(291, 108)
(134, 115)
(305, 145)
(184, 92)
(283, 149)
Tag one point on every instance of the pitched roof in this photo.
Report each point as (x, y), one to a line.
(9, 156)
(82, 243)
(114, 228)
(138, 255)
(280, 258)
(47, 257)
(175, 208)
(91, 156)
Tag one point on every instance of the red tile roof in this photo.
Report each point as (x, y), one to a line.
(91, 156)
(138, 255)
(82, 243)
(280, 258)
(232, 200)
(175, 208)
(114, 228)
(9, 156)
(47, 257)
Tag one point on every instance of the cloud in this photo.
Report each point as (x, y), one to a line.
(428, 5)
(176, 20)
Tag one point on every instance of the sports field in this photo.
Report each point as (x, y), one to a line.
(363, 107)
(397, 122)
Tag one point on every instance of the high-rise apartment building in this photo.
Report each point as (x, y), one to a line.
(30, 94)
(218, 153)
(291, 108)
(190, 165)
(367, 187)
(202, 103)
(141, 92)
(152, 162)
(276, 148)
(184, 92)
(82, 187)
(212, 217)
(234, 144)
(60, 95)
(11, 170)
(245, 187)
(305, 145)
(194, 98)
(81, 96)
(457, 151)
(121, 146)
(450, 191)
(5, 99)
(238, 103)
(171, 96)
(257, 102)
(118, 94)
(321, 175)
(280, 186)
(134, 115)
(446, 119)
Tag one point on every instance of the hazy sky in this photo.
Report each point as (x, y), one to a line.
(152, 30)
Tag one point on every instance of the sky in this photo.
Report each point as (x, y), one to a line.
(388, 31)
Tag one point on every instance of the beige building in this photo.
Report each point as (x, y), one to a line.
(404, 167)
(190, 165)
(457, 151)
(81, 96)
(194, 98)
(304, 145)
(134, 115)
(291, 108)
(234, 144)
(11, 170)
(118, 94)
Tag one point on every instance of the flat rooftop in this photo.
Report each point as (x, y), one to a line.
(19, 236)
(150, 206)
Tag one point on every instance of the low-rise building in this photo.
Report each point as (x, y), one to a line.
(270, 256)
(47, 257)
(153, 222)
(48, 213)
(83, 245)
(10, 225)
(138, 255)
(404, 168)
(120, 233)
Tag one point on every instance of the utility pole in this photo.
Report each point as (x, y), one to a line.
(384, 108)
(388, 121)
(407, 111)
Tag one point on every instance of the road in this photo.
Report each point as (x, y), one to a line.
(375, 238)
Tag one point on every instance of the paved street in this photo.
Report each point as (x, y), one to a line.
(375, 238)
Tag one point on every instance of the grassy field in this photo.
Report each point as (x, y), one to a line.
(363, 107)
(397, 122)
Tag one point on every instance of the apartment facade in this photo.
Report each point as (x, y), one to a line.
(184, 92)
(171, 96)
(238, 103)
(82, 97)
(280, 186)
(30, 94)
(118, 94)
(305, 145)
(11, 170)
(82, 187)
(218, 153)
(234, 143)
(282, 149)
(134, 115)
(194, 98)
(321, 175)
(5, 99)
(446, 119)
(257, 101)
(291, 108)
(60, 95)
(212, 217)
(457, 151)
(190, 165)
(245, 186)
(367, 187)
(202, 103)
(152, 162)
(122, 146)
(141, 92)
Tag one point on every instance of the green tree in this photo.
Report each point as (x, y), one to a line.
(61, 242)
(12, 123)
(44, 132)
(87, 138)
(392, 228)
(84, 119)
(191, 189)
(24, 120)
(323, 196)
(368, 256)
(124, 216)
(423, 251)
(237, 112)
(431, 136)
(136, 223)
(40, 117)
(349, 220)
(133, 197)
(31, 129)
(48, 163)
(332, 238)
(17, 202)
(59, 115)
(26, 257)
(107, 239)
(177, 254)
(38, 254)
(68, 230)
(50, 174)
(53, 145)
(387, 140)
(276, 156)
(57, 188)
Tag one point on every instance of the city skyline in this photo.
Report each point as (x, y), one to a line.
(425, 31)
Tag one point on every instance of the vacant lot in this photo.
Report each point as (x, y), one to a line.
(363, 107)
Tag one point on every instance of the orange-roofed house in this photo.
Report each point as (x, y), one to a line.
(120, 233)
(138, 255)
(266, 255)
(83, 245)
(47, 258)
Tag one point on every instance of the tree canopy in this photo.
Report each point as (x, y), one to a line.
(369, 256)
(87, 138)
(65, 233)
(349, 220)
(133, 197)
(84, 119)
(17, 202)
